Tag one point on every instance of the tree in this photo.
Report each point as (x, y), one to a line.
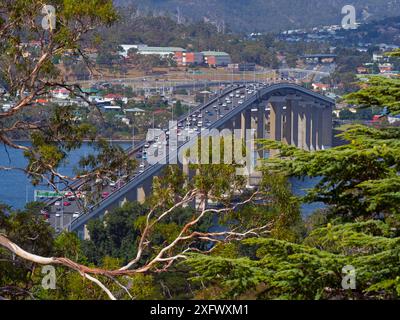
(378, 91)
(160, 241)
(266, 268)
(356, 179)
(28, 72)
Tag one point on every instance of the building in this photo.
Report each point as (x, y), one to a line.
(320, 58)
(112, 97)
(376, 57)
(143, 49)
(216, 59)
(362, 70)
(242, 67)
(189, 58)
(385, 68)
(111, 108)
(135, 111)
(320, 86)
(60, 93)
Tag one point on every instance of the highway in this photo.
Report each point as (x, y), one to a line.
(62, 212)
(213, 114)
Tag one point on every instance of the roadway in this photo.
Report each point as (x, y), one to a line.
(212, 114)
(62, 212)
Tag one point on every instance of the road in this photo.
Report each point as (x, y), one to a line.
(64, 211)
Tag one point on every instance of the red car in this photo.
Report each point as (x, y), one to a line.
(105, 195)
(66, 204)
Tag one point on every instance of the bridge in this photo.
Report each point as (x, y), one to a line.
(283, 112)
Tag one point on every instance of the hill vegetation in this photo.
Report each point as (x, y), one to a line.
(272, 15)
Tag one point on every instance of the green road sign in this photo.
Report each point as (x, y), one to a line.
(49, 194)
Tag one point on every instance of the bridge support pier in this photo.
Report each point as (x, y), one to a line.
(327, 128)
(294, 117)
(276, 105)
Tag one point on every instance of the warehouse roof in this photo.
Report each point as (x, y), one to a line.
(215, 53)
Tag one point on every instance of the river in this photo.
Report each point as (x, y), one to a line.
(16, 190)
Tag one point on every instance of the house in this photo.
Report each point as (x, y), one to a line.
(135, 111)
(385, 68)
(60, 94)
(376, 57)
(320, 86)
(362, 70)
(112, 97)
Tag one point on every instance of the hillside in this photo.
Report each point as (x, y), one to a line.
(267, 15)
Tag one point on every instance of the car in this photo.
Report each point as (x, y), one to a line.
(76, 215)
(45, 214)
(66, 203)
(141, 165)
(147, 145)
(138, 155)
(240, 101)
(105, 195)
(58, 215)
(112, 183)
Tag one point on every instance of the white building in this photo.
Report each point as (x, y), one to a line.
(146, 50)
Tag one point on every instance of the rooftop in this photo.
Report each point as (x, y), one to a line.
(161, 49)
(215, 53)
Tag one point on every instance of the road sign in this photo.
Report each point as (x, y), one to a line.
(48, 194)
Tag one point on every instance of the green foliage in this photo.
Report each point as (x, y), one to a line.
(378, 91)
(276, 269)
(356, 179)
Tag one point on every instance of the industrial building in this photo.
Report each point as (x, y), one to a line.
(189, 58)
(216, 59)
(146, 50)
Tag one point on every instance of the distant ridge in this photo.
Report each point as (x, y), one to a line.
(267, 15)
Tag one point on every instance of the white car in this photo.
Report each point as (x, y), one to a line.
(240, 101)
